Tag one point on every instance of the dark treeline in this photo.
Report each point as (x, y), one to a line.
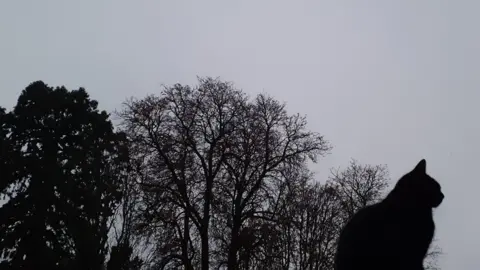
(200, 177)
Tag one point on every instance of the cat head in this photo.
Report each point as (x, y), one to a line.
(421, 188)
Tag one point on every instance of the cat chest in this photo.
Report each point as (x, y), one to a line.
(407, 229)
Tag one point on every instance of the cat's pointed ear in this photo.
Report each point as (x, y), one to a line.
(421, 167)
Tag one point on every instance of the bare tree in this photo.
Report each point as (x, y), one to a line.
(211, 156)
(181, 135)
(265, 142)
(124, 244)
(307, 216)
(269, 239)
(359, 185)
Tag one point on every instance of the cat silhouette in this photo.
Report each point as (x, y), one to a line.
(396, 233)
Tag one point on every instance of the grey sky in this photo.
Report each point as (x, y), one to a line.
(385, 81)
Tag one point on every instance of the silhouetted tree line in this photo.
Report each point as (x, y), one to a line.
(192, 178)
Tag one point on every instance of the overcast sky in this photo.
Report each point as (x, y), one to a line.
(387, 82)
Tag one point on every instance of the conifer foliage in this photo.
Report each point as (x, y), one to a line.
(60, 163)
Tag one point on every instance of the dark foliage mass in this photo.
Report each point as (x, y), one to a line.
(200, 177)
(61, 165)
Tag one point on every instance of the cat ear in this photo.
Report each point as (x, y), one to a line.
(421, 167)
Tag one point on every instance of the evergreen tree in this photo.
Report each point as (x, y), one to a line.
(61, 163)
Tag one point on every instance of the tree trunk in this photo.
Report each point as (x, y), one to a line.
(205, 248)
(232, 263)
(205, 226)
(186, 237)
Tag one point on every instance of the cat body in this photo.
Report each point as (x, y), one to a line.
(396, 233)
